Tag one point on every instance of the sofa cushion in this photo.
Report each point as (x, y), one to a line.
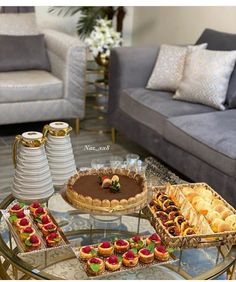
(222, 41)
(23, 53)
(152, 108)
(29, 85)
(210, 137)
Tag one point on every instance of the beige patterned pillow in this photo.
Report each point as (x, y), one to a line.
(169, 67)
(18, 24)
(206, 77)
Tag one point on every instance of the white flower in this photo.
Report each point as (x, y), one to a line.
(103, 38)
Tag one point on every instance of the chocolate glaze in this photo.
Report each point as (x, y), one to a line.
(88, 186)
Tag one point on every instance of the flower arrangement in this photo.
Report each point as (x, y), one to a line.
(103, 38)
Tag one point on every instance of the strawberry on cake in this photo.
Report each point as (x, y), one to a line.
(16, 208)
(34, 206)
(87, 252)
(121, 246)
(26, 232)
(137, 242)
(22, 223)
(154, 238)
(161, 253)
(146, 256)
(48, 228)
(130, 259)
(32, 243)
(39, 212)
(105, 249)
(113, 263)
(43, 220)
(53, 239)
(95, 266)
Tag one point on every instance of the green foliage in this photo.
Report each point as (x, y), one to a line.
(87, 16)
(95, 267)
(134, 250)
(12, 218)
(93, 252)
(28, 243)
(151, 247)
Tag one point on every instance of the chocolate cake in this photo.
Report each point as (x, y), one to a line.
(84, 191)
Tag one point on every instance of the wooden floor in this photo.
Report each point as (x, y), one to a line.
(86, 146)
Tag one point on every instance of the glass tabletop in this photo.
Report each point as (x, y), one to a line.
(83, 229)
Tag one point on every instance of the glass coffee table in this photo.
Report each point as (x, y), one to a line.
(82, 229)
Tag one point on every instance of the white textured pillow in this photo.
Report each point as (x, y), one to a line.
(206, 77)
(169, 67)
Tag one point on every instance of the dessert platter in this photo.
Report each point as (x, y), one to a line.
(33, 227)
(191, 215)
(106, 190)
(121, 255)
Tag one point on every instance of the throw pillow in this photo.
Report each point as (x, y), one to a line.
(222, 41)
(23, 53)
(169, 67)
(206, 77)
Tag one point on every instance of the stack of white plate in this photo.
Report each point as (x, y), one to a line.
(60, 158)
(32, 179)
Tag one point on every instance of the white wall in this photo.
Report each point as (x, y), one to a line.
(179, 25)
(68, 24)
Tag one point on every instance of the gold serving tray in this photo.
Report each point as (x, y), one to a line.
(204, 236)
(22, 248)
(123, 268)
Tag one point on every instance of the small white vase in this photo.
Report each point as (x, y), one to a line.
(32, 178)
(59, 152)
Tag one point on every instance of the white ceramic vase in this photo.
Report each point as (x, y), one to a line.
(32, 177)
(59, 152)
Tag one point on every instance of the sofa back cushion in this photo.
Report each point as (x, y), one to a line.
(222, 41)
(18, 24)
(23, 53)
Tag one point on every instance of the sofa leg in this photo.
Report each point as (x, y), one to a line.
(77, 126)
(113, 135)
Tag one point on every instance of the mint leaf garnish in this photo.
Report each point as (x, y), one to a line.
(57, 239)
(95, 267)
(25, 234)
(170, 250)
(119, 258)
(140, 243)
(13, 218)
(38, 219)
(134, 250)
(93, 252)
(151, 247)
(22, 204)
(28, 243)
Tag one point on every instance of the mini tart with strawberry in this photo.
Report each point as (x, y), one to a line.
(146, 256)
(16, 208)
(130, 259)
(48, 228)
(27, 232)
(43, 220)
(87, 252)
(121, 246)
(154, 238)
(113, 263)
(22, 223)
(34, 206)
(32, 242)
(53, 239)
(14, 217)
(161, 253)
(39, 212)
(105, 249)
(137, 242)
(95, 266)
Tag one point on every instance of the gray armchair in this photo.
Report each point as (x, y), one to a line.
(37, 95)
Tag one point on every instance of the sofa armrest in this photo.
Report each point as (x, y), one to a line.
(129, 67)
(67, 56)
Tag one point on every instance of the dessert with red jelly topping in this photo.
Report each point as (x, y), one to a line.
(27, 232)
(105, 249)
(22, 223)
(130, 258)
(161, 253)
(34, 206)
(154, 238)
(39, 212)
(43, 220)
(121, 246)
(87, 252)
(53, 239)
(95, 266)
(146, 255)
(137, 242)
(49, 228)
(113, 263)
(32, 242)
(16, 208)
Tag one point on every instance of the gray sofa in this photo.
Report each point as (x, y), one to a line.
(38, 95)
(196, 140)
